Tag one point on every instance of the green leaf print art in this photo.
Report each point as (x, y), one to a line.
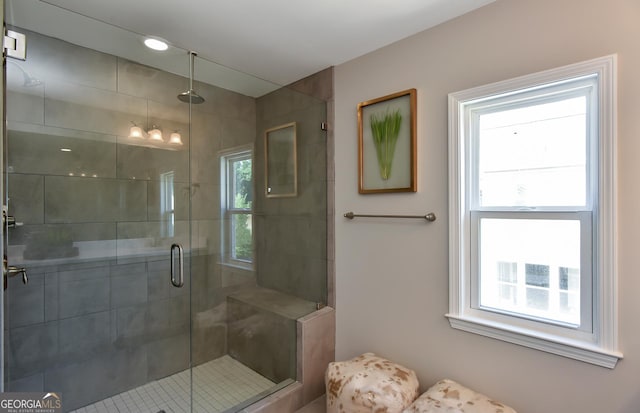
(384, 132)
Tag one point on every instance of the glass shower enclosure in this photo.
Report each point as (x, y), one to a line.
(148, 270)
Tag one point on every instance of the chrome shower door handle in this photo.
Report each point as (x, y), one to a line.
(11, 271)
(179, 282)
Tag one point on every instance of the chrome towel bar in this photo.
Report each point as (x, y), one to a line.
(429, 217)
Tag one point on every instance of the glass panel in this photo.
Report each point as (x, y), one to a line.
(244, 318)
(534, 155)
(100, 203)
(524, 267)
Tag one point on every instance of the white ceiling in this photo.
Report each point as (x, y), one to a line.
(280, 41)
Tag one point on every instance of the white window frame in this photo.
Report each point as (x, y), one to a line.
(597, 344)
(226, 193)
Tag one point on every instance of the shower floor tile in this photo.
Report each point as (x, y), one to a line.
(218, 385)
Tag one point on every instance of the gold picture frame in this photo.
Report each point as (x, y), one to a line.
(281, 161)
(387, 154)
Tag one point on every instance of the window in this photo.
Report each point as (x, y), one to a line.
(531, 211)
(237, 206)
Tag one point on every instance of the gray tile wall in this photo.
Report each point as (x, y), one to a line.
(291, 233)
(262, 340)
(71, 319)
(262, 330)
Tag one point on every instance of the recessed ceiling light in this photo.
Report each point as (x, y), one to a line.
(156, 44)
(65, 149)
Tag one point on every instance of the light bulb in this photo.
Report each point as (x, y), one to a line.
(135, 132)
(155, 134)
(175, 139)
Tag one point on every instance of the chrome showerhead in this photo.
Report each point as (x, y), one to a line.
(190, 96)
(28, 80)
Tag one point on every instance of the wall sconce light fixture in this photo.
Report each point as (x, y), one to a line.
(154, 134)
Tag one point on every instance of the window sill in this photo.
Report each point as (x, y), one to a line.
(237, 265)
(566, 348)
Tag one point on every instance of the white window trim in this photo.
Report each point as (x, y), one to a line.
(602, 349)
(225, 227)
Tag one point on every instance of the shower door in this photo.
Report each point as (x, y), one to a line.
(100, 223)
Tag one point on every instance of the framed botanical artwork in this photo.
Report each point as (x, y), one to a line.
(387, 144)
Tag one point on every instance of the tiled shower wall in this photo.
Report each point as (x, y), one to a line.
(107, 319)
(292, 232)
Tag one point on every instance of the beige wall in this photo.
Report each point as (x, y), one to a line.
(391, 277)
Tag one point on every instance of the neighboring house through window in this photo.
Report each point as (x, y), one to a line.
(532, 211)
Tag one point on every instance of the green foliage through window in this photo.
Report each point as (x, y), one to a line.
(240, 203)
